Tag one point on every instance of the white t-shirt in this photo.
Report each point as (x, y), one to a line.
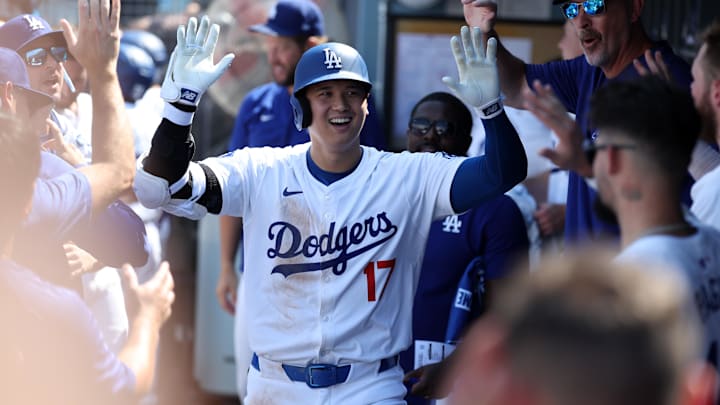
(697, 258)
(706, 198)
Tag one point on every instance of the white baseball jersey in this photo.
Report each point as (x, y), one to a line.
(705, 194)
(697, 257)
(331, 271)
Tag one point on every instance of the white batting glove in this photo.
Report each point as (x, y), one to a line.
(191, 69)
(478, 84)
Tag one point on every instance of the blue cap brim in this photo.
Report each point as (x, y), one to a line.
(263, 29)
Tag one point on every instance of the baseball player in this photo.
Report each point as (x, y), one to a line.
(335, 231)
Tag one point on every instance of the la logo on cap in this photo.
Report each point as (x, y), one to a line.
(33, 23)
(332, 60)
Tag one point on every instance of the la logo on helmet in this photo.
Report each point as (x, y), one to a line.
(332, 61)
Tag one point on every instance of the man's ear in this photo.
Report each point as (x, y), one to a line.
(699, 385)
(636, 9)
(313, 41)
(715, 94)
(7, 98)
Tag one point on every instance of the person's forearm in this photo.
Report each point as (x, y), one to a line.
(511, 71)
(172, 145)
(139, 353)
(112, 138)
(504, 164)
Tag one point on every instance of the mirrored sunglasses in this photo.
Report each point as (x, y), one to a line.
(421, 126)
(38, 56)
(592, 8)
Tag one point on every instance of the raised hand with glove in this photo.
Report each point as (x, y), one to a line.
(165, 176)
(191, 69)
(478, 83)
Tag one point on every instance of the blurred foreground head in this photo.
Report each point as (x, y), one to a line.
(585, 330)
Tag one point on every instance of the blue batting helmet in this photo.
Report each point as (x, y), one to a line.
(153, 45)
(330, 61)
(135, 70)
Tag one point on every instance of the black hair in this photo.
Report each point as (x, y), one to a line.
(659, 116)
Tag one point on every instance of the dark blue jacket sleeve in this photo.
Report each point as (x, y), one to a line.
(114, 237)
(504, 165)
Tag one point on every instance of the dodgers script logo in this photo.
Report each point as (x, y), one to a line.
(348, 241)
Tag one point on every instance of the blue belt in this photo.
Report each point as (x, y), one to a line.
(324, 375)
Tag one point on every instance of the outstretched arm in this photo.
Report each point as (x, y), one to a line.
(483, 14)
(504, 164)
(167, 173)
(96, 46)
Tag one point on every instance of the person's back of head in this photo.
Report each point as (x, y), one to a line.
(590, 331)
(585, 329)
(659, 119)
(153, 45)
(136, 71)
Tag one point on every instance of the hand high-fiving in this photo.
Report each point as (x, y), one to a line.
(191, 69)
(478, 83)
(97, 41)
(480, 13)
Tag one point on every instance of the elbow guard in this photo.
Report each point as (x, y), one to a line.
(153, 191)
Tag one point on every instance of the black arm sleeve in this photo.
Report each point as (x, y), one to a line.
(170, 154)
(171, 151)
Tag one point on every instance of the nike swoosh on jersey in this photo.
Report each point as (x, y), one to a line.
(287, 193)
(265, 117)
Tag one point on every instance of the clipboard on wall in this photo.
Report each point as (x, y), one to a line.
(419, 54)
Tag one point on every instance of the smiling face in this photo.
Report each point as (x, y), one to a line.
(603, 36)
(283, 55)
(339, 108)
(48, 77)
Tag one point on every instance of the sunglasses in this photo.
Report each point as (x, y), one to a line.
(38, 56)
(592, 8)
(421, 126)
(591, 149)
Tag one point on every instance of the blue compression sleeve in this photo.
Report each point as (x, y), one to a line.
(504, 165)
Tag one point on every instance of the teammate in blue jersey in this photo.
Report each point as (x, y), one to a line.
(612, 37)
(332, 252)
(466, 255)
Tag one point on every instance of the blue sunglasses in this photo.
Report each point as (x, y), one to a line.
(592, 8)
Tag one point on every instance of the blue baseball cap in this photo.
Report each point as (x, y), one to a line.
(293, 18)
(26, 28)
(13, 70)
